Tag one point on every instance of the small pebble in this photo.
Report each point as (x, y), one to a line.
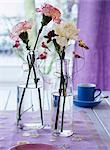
(22, 142)
(34, 135)
(77, 138)
(26, 134)
(52, 139)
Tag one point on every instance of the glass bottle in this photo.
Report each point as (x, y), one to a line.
(29, 97)
(62, 103)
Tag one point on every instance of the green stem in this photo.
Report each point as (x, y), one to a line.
(65, 84)
(35, 77)
(40, 30)
(60, 91)
(32, 58)
(39, 94)
(64, 92)
(36, 82)
(21, 101)
(40, 102)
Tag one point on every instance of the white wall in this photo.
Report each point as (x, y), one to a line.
(10, 69)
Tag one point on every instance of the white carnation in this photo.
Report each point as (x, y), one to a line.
(67, 30)
(62, 41)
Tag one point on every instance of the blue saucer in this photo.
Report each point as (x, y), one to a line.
(86, 104)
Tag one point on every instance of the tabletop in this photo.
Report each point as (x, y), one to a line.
(93, 121)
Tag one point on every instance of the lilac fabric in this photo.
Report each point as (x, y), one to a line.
(94, 25)
(85, 136)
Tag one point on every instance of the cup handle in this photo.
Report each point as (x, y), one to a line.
(98, 93)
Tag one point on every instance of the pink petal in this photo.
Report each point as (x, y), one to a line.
(13, 37)
(21, 26)
(49, 10)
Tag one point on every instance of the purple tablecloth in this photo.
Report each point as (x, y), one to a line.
(85, 136)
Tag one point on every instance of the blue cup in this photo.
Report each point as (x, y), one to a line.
(87, 92)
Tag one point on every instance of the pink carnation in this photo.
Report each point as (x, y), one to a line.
(19, 28)
(49, 10)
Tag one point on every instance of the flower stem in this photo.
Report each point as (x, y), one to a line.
(21, 101)
(40, 30)
(32, 58)
(65, 84)
(39, 94)
(40, 105)
(63, 114)
(35, 77)
(64, 96)
(60, 91)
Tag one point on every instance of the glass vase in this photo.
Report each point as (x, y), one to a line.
(62, 100)
(65, 67)
(29, 96)
(62, 117)
(66, 73)
(47, 90)
(31, 110)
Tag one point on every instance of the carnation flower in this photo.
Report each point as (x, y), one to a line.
(19, 28)
(50, 11)
(62, 41)
(67, 30)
